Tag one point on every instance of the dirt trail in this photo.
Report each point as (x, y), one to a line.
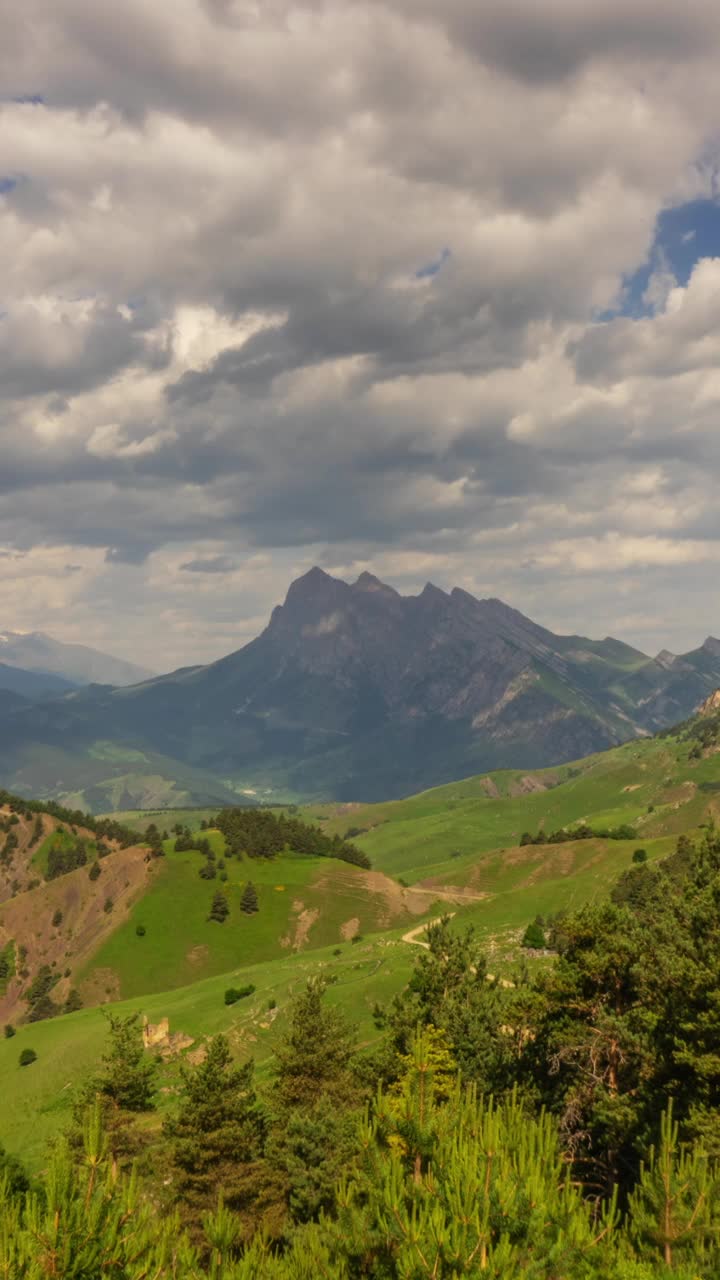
(412, 935)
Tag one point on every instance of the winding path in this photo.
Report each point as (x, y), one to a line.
(412, 934)
(412, 937)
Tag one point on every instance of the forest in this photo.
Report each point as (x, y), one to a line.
(563, 1125)
(259, 833)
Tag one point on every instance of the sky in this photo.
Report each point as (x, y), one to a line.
(430, 290)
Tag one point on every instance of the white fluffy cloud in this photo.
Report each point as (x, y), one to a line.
(330, 280)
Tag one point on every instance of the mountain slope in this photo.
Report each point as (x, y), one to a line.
(75, 663)
(35, 685)
(355, 692)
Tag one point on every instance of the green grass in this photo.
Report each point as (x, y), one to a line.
(181, 945)
(69, 1048)
(441, 831)
(541, 880)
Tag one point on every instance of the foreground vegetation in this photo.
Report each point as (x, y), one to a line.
(564, 1125)
(529, 1086)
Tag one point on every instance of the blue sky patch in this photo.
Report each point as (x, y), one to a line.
(682, 236)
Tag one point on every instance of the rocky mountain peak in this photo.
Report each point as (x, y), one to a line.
(314, 590)
(368, 582)
(712, 646)
(665, 658)
(316, 579)
(431, 594)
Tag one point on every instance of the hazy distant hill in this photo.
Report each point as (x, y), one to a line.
(356, 692)
(76, 663)
(31, 685)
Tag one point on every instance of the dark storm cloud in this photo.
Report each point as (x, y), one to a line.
(549, 42)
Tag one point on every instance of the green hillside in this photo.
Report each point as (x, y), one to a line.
(302, 902)
(650, 784)
(455, 849)
(69, 1047)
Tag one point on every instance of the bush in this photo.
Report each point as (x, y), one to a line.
(534, 937)
(94, 871)
(639, 855)
(233, 994)
(57, 918)
(9, 1031)
(108, 905)
(26, 1057)
(73, 1002)
(140, 930)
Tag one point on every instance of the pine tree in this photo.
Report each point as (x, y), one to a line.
(450, 989)
(313, 1134)
(673, 1209)
(219, 908)
(249, 900)
(122, 1089)
(217, 1142)
(129, 1073)
(313, 1057)
(466, 1187)
(534, 936)
(89, 1222)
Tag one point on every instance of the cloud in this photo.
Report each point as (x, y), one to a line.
(232, 344)
(213, 564)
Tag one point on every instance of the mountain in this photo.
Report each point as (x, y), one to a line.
(75, 663)
(32, 684)
(355, 692)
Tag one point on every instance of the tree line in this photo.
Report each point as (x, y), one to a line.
(105, 828)
(259, 833)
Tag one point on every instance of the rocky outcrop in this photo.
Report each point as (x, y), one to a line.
(711, 705)
(157, 1036)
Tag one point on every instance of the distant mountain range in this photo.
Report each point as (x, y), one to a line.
(34, 665)
(353, 692)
